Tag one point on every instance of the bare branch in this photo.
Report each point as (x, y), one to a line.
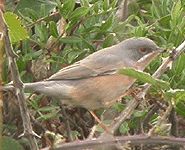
(114, 142)
(28, 132)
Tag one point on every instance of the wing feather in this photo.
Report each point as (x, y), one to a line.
(95, 64)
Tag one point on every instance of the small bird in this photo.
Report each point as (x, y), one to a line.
(94, 80)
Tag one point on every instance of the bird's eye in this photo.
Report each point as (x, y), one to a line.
(143, 50)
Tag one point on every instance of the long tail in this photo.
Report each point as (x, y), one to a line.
(8, 88)
(27, 86)
(59, 89)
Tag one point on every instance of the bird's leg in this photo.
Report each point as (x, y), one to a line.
(99, 121)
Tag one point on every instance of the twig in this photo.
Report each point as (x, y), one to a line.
(125, 12)
(113, 141)
(174, 122)
(28, 132)
(1, 94)
(93, 130)
(99, 121)
(149, 115)
(42, 19)
(163, 118)
(66, 121)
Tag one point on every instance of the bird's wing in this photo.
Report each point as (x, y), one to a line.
(94, 65)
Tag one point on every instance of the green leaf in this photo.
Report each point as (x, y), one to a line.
(74, 134)
(119, 107)
(33, 54)
(96, 8)
(71, 24)
(79, 12)
(156, 9)
(124, 128)
(16, 31)
(80, 56)
(21, 64)
(182, 24)
(74, 55)
(122, 25)
(38, 98)
(69, 5)
(165, 20)
(139, 113)
(176, 12)
(35, 6)
(88, 43)
(31, 14)
(109, 41)
(49, 108)
(53, 29)
(27, 19)
(171, 36)
(9, 143)
(113, 5)
(33, 104)
(133, 8)
(105, 5)
(180, 108)
(39, 32)
(44, 30)
(60, 8)
(43, 10)
(180, 66)
(142, 76)
(106, 122)
(70, 40)
(84, 3)
(176, 95)
(48, 116)
(107, 24)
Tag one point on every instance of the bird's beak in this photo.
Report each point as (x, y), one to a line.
(160, 50)
(145, 60)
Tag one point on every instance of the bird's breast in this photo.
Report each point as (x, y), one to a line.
(94, 92)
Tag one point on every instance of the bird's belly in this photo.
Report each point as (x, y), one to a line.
(94, 92)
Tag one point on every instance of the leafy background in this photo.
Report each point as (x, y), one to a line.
(78, 29)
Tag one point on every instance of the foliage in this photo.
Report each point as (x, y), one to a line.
(81, 28)
(9, 143)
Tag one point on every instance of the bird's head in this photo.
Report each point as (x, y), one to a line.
(140, 51)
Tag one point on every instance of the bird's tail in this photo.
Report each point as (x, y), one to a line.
(8, 87)
(32, 87)
(59, 89)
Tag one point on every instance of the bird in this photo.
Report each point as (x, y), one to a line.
(94, 80)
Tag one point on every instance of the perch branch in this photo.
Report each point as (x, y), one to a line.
(28, 132)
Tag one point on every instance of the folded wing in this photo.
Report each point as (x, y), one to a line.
(95, 64)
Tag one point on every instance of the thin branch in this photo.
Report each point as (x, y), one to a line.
(1, 94)
(174, 122)
(149, 115)
(56, 14)
(163, 118)
(125, 10)
(28, 132)
(66, 121)
(115, 141)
